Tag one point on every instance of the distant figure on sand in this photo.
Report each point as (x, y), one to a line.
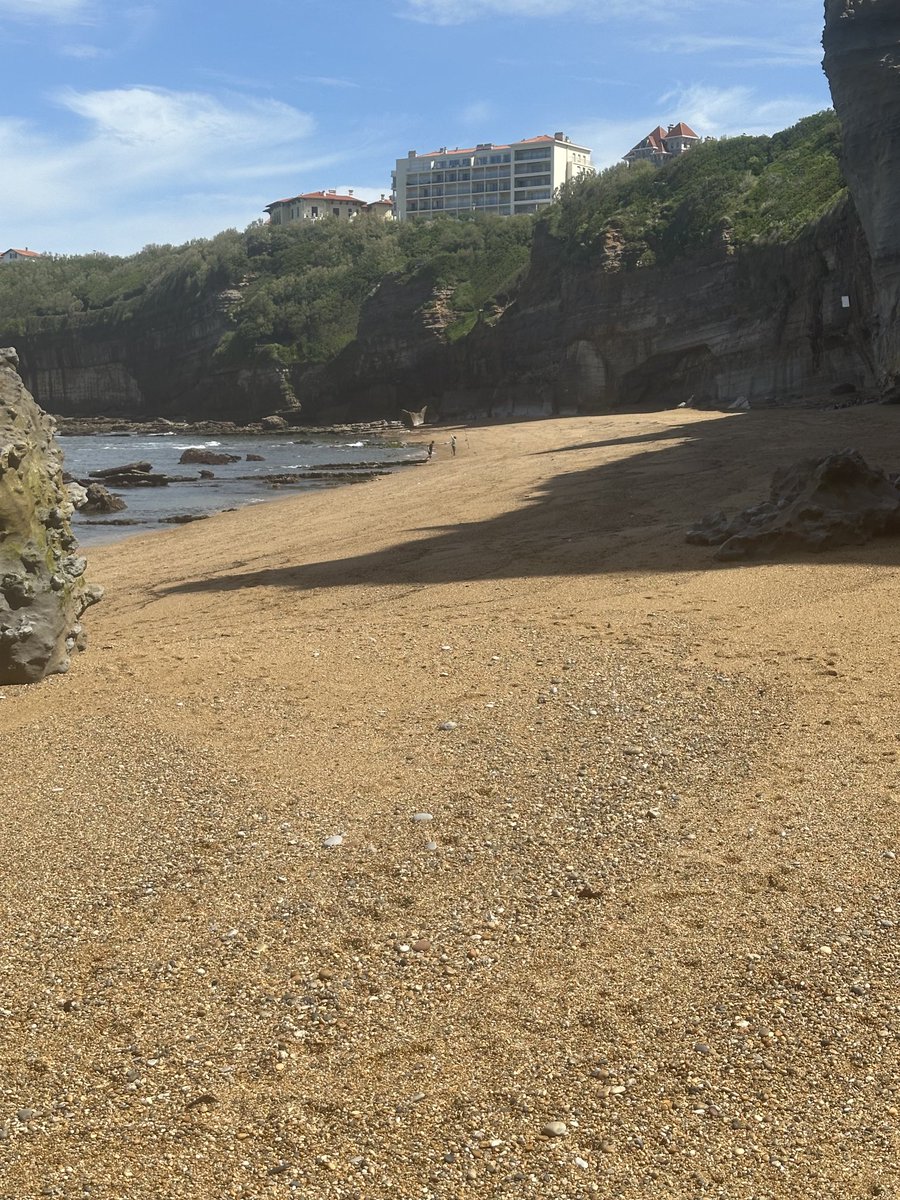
(453, 445)
(430, 451)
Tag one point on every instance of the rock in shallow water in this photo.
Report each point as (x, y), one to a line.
(42, 587)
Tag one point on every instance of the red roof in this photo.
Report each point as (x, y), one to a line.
(318, 196)
(389, 203)
(330, 196)
(656, 139)
(682, 130)
(23, 253)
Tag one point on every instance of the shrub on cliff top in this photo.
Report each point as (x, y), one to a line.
(298, 288)
(751, 187)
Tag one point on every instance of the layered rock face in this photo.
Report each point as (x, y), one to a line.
(43, 592)
(862, 61)
(766, 323)
(162, 364)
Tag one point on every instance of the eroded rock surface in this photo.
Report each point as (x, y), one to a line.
(208, 458)
(816, 504)
(43, 592)
(862, 61)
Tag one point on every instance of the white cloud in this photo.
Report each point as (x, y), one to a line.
(479, 112)
(710, 111)
(725, 112)
(81, 50)
(764, 51)
(457, 12)
(327, 81)
(147, 164)
(169, 124)
(45, 10)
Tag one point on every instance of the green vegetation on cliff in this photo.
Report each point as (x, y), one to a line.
(727, 192)
(306, 282)
(294, 293)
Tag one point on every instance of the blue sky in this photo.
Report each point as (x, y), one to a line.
(127, 123)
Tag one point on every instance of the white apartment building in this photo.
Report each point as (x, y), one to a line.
(503, 180)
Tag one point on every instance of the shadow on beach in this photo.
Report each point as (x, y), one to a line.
(628, 514)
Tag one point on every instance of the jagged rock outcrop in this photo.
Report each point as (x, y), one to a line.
(862, 61)
(100, 501)
(43, 592)
(816, 504)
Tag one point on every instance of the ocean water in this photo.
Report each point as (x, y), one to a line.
(201, 497)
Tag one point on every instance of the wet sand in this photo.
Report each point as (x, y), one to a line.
(655, 901)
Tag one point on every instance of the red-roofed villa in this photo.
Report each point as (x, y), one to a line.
(313, 206)
(16, 255)
(662, 145)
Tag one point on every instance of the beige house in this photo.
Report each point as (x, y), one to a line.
(506, 180)
(662, 145)
(383, 208)
(313, 206)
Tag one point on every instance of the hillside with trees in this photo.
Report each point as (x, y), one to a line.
(287, 300)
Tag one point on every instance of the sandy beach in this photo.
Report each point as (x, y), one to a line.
(613, 908)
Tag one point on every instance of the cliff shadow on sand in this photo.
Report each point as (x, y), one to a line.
(628, 512)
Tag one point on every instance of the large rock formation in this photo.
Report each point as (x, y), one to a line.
(862, 61)
(158, 362)
(816, 504)
(42, 588)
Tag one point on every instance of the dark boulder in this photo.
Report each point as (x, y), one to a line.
(134, 468)
(208, 458)
(100, 500)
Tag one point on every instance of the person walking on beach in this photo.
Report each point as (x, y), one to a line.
(453, 445)
(430, 451)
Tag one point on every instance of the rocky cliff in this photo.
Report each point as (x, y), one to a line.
(160, 362)
(42, 588)
(766, 324)
(862, 61)
(814, 315)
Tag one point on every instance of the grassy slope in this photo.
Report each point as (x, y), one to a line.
(745, 188)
